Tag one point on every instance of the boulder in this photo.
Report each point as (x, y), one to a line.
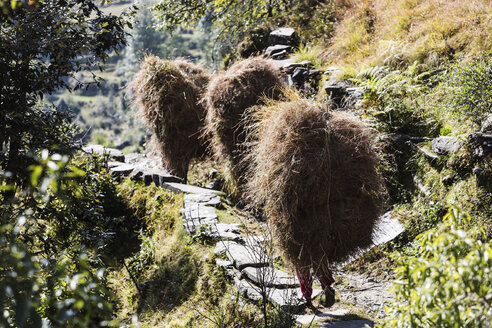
(446, 145)
(284, 35)
(336, 90)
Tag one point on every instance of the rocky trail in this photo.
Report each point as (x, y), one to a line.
(249, 258)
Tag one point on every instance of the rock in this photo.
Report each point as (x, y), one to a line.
(272, 50)
(112, 164)
(446, 145)
(112, 153)
(226, 264)
(299, 76)
(226, 231)
(204, 199)
(215, 185)
(289, 67)
(222, 246)
(428, 154)
(198, 212)
(284, 35)
(247, 256)
(187, 189)
(213, 174)
(385, 230)
(487, 124)
(193, 226)
(333, 72)
(336, 90)
(280, 55)
(482, 143)
(285, 298)
(270, 277)
(307, 319)
(121, 171)
(347, 324)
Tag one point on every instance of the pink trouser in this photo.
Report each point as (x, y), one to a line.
(306, 280)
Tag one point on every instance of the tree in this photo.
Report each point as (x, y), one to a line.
(41, 45)
(231, 17)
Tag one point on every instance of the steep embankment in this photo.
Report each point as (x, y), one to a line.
(399, 32)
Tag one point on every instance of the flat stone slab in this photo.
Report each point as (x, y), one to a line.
(270, 277)
(285, 298)
(246, 256)
(192, 226)
(387, 228)
(112, 153)
(198, 212)
(215, 230)
(203, 199)
(346, 324)
(306, 319)
(222, 246)
(226, 231)
(283, 35)
(273, 50)
(122, 170)
(179, 188)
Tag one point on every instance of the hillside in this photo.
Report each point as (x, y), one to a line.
(302, 164)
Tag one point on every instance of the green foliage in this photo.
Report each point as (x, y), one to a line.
(446, 281)
(231, 17)
(469, 89)
(394, 99)
(45, 269)
(40, 46)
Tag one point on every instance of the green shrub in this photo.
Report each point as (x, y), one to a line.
(470, 90)
(446, 281)
(394, 100)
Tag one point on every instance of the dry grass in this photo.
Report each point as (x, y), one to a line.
(398, 32)
(244, 85)
(315, 172)
(195, 73)
(168, 99)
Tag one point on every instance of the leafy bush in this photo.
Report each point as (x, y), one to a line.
(44, 278)
(446, 281)
(394, 99)
(470, 90)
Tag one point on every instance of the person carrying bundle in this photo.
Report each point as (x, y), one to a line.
(315, 174)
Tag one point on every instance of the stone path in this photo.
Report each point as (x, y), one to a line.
(247, 258)
(250, 266)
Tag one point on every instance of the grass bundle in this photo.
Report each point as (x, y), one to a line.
(194, 72)
(168, 95)
(315, 173)
(244, 85)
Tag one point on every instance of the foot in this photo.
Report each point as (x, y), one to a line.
(329, 297)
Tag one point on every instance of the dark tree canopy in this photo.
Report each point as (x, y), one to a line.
(41, 45)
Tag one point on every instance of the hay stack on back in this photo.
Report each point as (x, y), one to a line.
(168, 95)
(229, 95)
(315, 173)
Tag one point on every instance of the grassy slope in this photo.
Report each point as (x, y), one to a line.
(402, 31)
